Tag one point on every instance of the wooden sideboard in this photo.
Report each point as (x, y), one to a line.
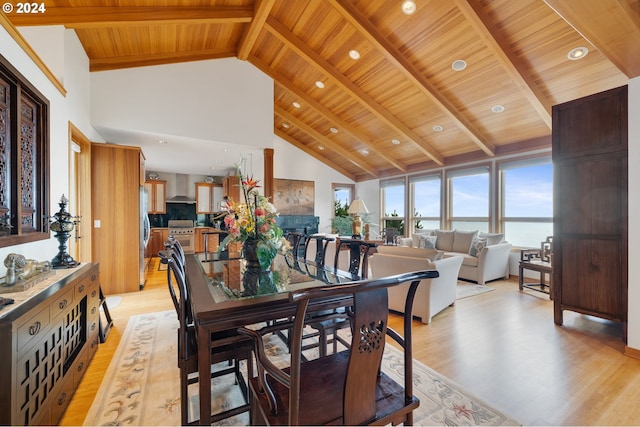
(49, 340)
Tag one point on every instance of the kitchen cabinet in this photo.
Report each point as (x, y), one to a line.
(157, 238)
(48, 342)
(116, 211)
(231, 188)
(157, 192)
(208, 197)
(590, 218)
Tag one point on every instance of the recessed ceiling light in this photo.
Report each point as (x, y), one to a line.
(408, 7)
(162, 141)
(354, 54)
(497, 108)
(212, 168)
(577, 53)
(319, 84)
(296, 104)
(320, 147)
(395, 141)
(333, 130)
(285, 125)
(437, 128)
(364, 151)
(459, 65)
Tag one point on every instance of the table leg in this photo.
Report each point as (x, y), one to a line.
(204, 375)
(520, 277)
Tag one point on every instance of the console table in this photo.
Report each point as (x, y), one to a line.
(49, 336)
(537, 260)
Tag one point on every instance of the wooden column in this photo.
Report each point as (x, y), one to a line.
(268, 173)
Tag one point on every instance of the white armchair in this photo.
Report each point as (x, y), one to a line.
(433, 295)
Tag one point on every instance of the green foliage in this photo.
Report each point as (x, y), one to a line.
(341, 210)
(398, 224)
(342, 225)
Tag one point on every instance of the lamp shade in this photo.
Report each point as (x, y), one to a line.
(358, 207)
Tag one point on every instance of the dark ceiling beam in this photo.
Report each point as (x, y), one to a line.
(392, 54)
(262, 10)
(325, 142)
(315, 60)
(114, 16)
(516, 69)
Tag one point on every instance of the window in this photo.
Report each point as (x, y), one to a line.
(469, 199)
(392, 197)
(527, 208)
(342, 197)
(24, 195)
(425, 202)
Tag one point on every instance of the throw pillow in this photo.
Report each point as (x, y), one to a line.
(444, 241)
(477, 246)
(492, 238)
(462, 240)
(428, 242)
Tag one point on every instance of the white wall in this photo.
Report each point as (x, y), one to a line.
(61, 109)
(223, 100)
(633, 335)
(289, 162)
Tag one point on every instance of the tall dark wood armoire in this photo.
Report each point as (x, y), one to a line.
(590, 206)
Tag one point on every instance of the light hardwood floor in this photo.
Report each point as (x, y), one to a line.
(501, 346)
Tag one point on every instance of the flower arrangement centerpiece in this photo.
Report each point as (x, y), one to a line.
(253, 223)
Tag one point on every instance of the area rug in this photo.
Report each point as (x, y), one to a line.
(141, 385)
(466, 289)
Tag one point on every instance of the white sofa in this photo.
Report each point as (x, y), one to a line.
(433, 295)
(485, 255)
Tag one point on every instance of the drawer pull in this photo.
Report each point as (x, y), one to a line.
(63, 397)
(80, 367)
(35, 328)
(93, 310)
(63, 304)
(93, 294)
(81, 288)
(94, 277)
(93, 326)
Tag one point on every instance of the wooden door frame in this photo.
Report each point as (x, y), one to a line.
(82, 187)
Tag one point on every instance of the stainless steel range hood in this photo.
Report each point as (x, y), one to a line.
(182, 183)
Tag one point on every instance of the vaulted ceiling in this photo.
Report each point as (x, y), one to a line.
(407, 103)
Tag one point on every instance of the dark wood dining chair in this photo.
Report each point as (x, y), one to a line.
(328, 329)
(227, 346)
(345, 388)
(321, 242)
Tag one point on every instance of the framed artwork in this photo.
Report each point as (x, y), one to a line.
(293, 197)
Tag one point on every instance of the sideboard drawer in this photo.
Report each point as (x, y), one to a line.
(32, 329)
(62, 303)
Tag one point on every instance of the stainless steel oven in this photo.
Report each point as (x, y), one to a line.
(184, 232)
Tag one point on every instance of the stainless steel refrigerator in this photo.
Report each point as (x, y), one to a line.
(145, 230)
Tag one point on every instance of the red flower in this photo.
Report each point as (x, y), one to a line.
(250, 184)
(259, 212)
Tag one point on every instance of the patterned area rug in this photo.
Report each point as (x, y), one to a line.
(468, 289)
(141, 385)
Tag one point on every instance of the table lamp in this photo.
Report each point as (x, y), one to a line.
(357, 207)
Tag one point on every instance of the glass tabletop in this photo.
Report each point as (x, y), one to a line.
(228, 278)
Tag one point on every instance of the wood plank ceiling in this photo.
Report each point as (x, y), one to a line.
(401, 106)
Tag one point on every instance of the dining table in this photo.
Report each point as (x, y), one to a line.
(219, 302)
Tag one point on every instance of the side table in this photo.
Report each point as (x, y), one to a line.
(530, 260)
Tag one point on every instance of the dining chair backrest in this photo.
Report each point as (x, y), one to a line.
(350, 397)
(176, 279)
(321, 243)
(295, 239)
(359, 252)
(175, 245)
